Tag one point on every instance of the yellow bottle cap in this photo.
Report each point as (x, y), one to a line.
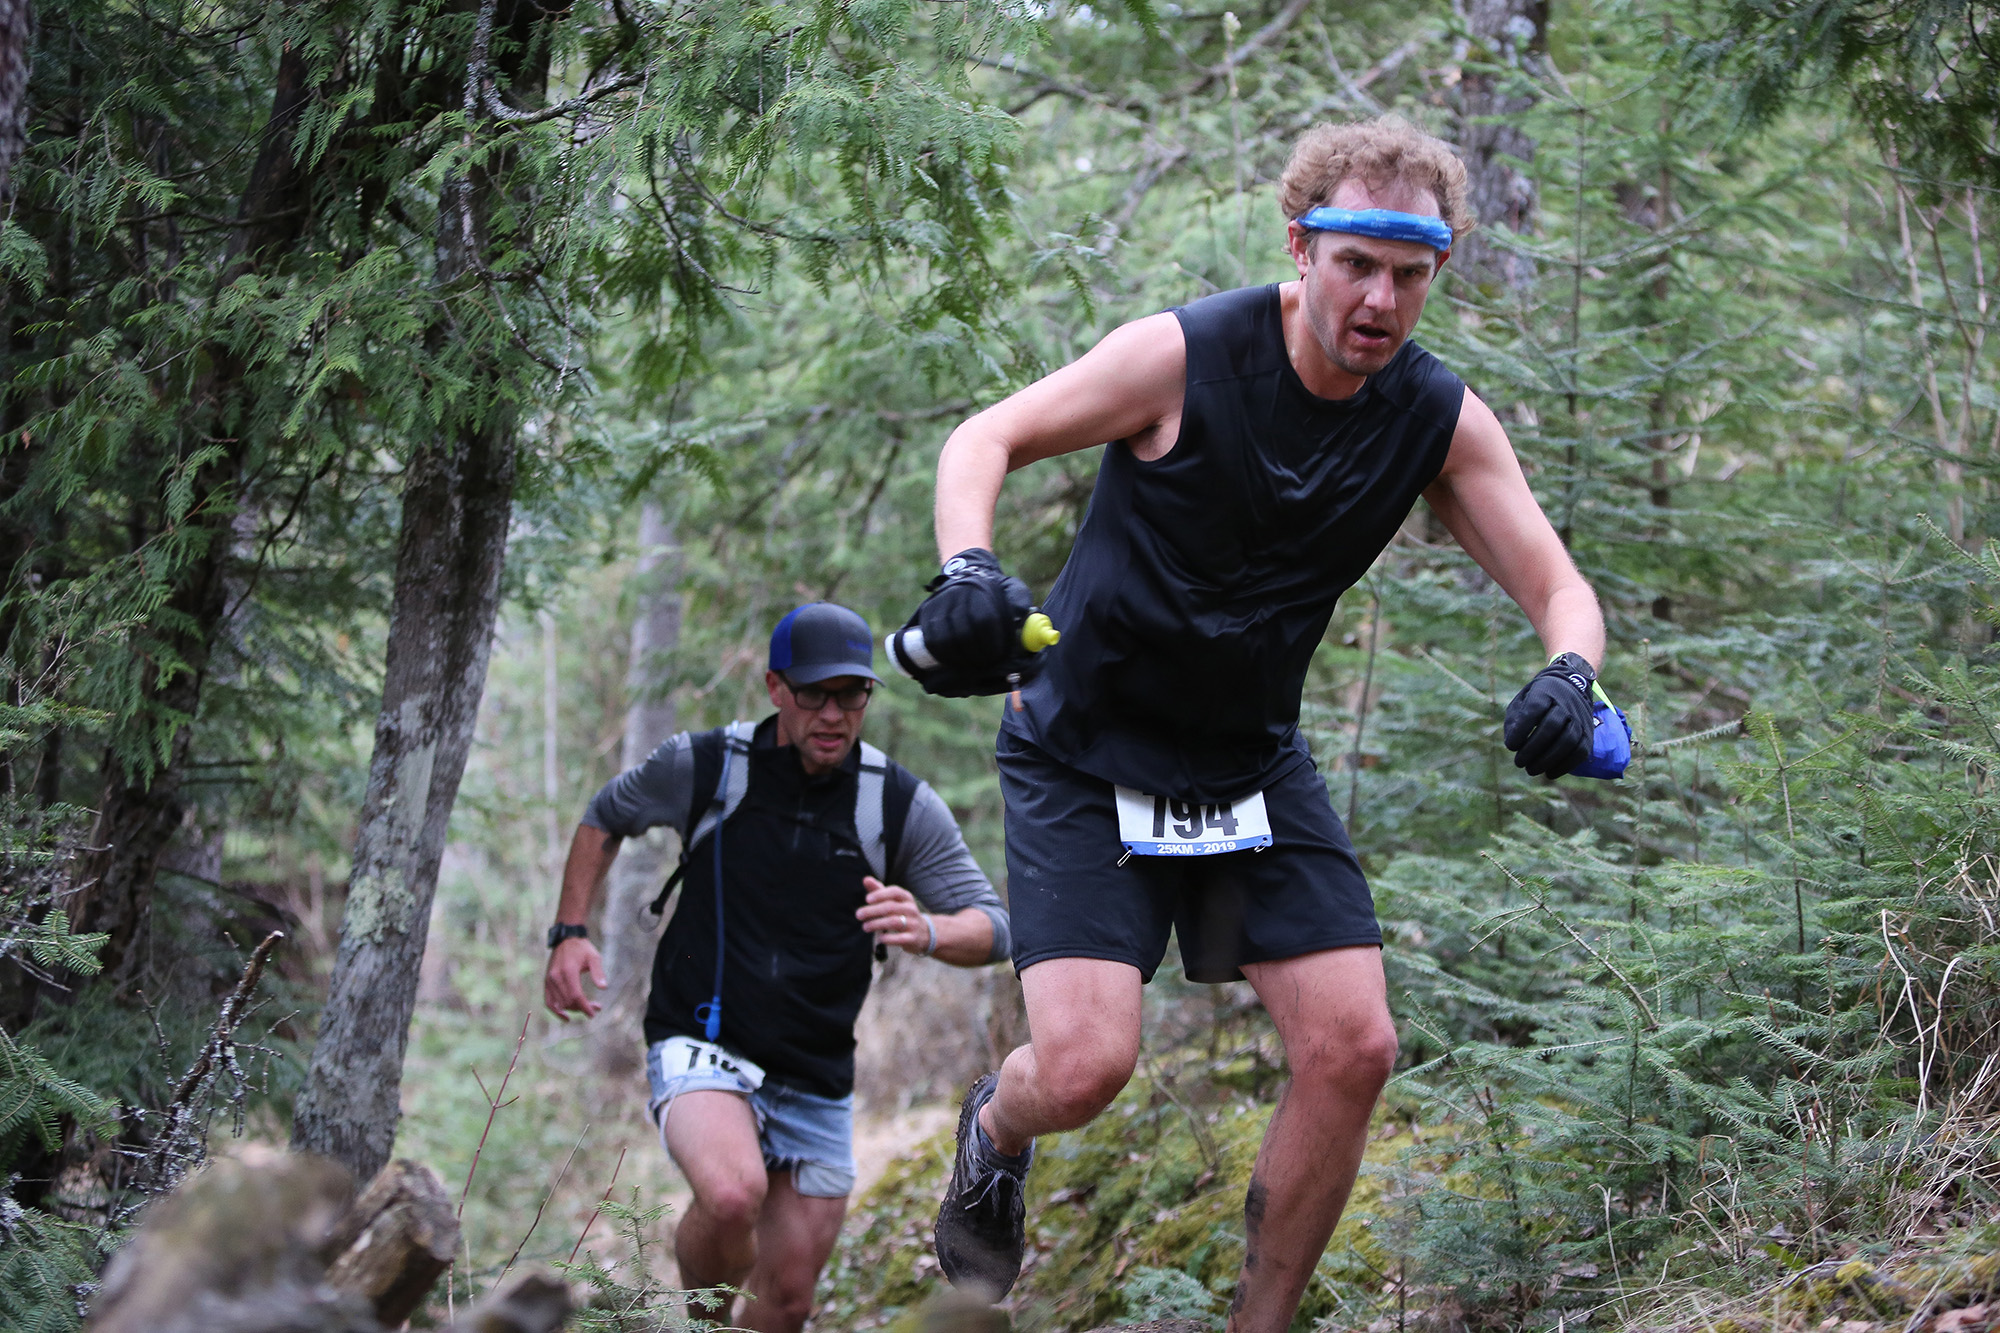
(1039, 632)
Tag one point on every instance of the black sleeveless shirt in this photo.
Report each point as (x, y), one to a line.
(1201, 583)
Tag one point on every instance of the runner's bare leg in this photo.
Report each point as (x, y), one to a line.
(712, 1137)
(795, 1234)
(1332, 1013)
(1083, 1041)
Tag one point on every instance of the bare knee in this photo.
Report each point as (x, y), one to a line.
(1351, 1063)
(791, 1299)
(733, 1205)
(1077, 1082)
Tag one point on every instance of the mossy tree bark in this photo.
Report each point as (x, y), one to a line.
(458, 499)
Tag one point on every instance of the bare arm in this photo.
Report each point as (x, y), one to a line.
(1128, 387)
(1483, 499)
(591, 852)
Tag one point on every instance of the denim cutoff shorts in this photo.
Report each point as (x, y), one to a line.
(808, 1135)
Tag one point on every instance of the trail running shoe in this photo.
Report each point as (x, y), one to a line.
(981, 1221)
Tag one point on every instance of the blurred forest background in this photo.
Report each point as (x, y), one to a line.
(415, 410)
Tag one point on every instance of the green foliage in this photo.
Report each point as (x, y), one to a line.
(37, 846)
(46, 1261)
(242, 292)
(1736, 1022)
(626, 1294)
(47, 1268)
(33, 1097)
(1918, 72)
(1165, 1293)
(759, 133)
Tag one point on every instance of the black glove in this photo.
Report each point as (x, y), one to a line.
(969, 619)
(1548, 723)
(971, 624)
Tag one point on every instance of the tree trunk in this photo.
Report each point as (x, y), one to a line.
(395, 1241)
(140, 812)
(1660, 411)
(17, 35)
(1511, 34)
(628, 932)
(552, 847)
(457, 500)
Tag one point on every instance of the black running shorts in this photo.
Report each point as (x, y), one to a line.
(1070, 898)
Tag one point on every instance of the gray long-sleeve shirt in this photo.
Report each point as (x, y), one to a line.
(931, 861)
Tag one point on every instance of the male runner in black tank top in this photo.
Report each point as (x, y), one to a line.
(1267, 444)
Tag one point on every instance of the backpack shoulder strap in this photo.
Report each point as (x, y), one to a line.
(732, 781)
(882, 800)
(868, 811)
(723, 772)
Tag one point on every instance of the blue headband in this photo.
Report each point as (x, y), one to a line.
(1381, 223)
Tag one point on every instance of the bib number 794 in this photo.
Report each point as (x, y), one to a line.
(1150, 825)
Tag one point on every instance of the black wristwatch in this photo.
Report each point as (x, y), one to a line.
(559, 932)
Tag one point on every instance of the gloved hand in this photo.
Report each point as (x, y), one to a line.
(969, 619)
(1548, 723)
(971, 625)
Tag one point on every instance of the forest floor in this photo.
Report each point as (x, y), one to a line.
(1137, 1219)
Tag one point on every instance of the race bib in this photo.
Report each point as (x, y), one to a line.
(685, 1055)
(1163, 826)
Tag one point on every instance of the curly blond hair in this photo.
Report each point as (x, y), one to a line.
(1377, 151)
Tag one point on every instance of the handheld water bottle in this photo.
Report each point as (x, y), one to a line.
(907, 654)
(1610, 739)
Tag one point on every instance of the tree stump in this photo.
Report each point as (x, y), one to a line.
(268, 1242)
(236, 1249)
(394, 1242)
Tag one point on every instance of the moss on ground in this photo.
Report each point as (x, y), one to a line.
(1155, 1183)
(1938, 1291)
(1149, 1197)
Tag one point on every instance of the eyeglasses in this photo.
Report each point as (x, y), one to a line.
(813, 697)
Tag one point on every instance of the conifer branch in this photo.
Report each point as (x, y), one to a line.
(480, 90)
(1730, 728)
(1540, 901)
(1468, 686)
(500, 111)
